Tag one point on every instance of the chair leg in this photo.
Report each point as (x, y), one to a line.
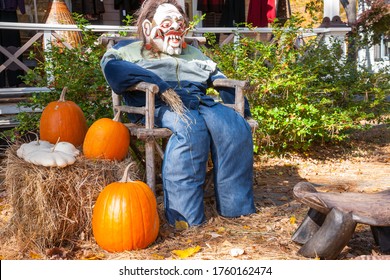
(207, 187)
(334, 234)
(150, 165)
(138, 154)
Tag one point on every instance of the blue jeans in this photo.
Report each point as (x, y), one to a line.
(227, 136)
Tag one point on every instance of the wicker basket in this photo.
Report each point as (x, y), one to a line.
(60, 14)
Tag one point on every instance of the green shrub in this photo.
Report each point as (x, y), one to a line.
(301, 96)
(78, 69)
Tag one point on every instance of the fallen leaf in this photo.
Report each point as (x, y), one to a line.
(181, 225)
(56, 252)
(157, 257)
(227, 243)
(35, 256)
(183, 254)
(92, 257)
(221, 230)
(214, 235)
(293, 220)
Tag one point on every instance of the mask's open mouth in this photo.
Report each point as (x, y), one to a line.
(173, 40)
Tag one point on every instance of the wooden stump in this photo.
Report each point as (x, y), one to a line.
(332, 218)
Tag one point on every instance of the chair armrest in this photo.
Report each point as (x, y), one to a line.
(229, 83)
(150, 91)
(144, 86)
(240, 86)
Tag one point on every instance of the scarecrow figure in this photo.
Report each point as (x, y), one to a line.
(199, 124)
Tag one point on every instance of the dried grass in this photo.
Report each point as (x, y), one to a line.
(52, 206)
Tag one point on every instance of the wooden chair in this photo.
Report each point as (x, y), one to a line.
(148, 133)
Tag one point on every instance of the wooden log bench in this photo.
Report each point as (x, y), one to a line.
(332, 219)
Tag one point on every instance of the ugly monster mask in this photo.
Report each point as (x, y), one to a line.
(167, 30)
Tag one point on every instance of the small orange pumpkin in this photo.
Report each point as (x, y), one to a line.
(63, 120)
(125, 216)
(107, 139)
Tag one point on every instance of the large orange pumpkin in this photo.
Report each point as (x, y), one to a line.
(63, 120)
(125, 216)
(107, 139)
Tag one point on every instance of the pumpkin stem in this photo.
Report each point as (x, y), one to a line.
(126, 177)
(36, 134)
(62, 96)
(55, 145)
(117, 116)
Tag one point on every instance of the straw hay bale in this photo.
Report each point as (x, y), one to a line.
(51, 205)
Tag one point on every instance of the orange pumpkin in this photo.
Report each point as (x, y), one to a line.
(107, 139)
(125, 216)
(63, 120)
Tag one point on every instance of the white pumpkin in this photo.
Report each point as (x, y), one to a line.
(67, 148)
(46, 154)
(32, 146)
(50, 158)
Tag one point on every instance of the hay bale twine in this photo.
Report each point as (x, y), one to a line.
(52, 206)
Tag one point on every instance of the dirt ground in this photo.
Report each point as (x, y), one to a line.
(361, 165)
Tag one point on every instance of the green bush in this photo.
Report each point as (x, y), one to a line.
(301, 96)
(78, 69)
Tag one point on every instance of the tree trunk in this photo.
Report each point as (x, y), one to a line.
(350, 7)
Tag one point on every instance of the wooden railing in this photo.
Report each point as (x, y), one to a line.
(46, 32)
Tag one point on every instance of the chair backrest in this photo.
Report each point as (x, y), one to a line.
(110, 41)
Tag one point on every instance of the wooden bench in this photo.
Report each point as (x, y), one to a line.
(332, 219)
(9, 103)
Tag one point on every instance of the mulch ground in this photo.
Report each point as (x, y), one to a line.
(361, 165)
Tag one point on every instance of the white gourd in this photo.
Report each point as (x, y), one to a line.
(49, 155)
(50, 158)
(67, 148)
(32, 146)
